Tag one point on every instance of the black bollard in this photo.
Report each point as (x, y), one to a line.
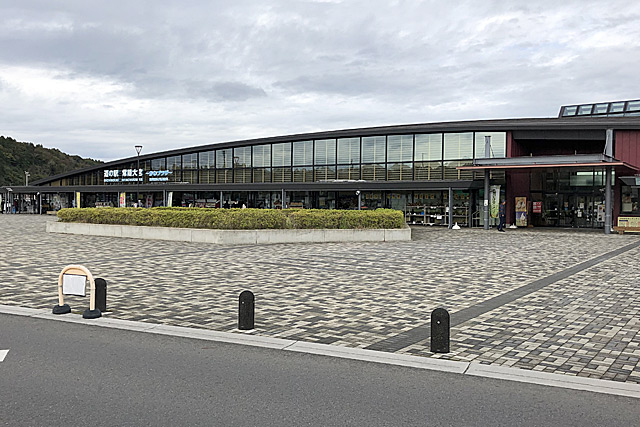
(440, 331)
(246, 311)
(61, 309)
(101, 294)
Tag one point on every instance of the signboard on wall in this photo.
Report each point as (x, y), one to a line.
(537, 207)
(629, 221)
(521, 211)
(134, 175)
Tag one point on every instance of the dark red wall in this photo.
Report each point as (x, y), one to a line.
(627, 147)
(518, 185)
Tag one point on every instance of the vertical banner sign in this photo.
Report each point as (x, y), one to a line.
(123, 200)
(170, 199)
(77, 199)
(495, 200)
(521, 211)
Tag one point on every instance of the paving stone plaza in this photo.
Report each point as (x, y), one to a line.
(554, 301)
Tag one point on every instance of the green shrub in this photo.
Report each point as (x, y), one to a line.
(236, 219)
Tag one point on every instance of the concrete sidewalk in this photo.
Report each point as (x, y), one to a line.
(545, 314)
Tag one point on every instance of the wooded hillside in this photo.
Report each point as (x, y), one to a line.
(17, 157)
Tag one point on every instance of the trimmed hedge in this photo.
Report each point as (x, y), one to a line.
(236, 219)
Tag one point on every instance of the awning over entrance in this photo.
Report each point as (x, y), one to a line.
(633, 181)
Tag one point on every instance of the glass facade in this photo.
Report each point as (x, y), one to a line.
(405, 157)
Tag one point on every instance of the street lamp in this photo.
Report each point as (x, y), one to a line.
(26, 178)
(138, 150)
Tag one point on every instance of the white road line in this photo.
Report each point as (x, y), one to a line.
(3, 354)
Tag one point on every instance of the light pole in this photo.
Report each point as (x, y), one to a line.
(26, 178)
(138, 150)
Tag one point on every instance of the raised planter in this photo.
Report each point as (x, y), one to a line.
(231, 237)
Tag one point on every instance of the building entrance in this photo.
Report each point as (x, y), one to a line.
(569, 210)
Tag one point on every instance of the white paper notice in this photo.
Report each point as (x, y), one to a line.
(72, 284)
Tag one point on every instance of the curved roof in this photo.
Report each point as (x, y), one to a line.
(537, 124)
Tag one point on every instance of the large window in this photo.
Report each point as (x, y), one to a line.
(399, 148)
(351, 172)
(282, 174)
(303, 174)
(262, 156)
(458, 146)
(190, 161)
(174, 163)
(224, 158)
(374, 172)
(428, 147)
(159, 164)
(325, 153)
(348, 150)
(282, 154)
(262, 175)
(426, 171)
(373, 149)
(498, 144)
(324, 173)
(207, 160)
(399, 172)
(242, 157)
(303, 153)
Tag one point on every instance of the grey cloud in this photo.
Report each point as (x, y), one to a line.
(225, 91)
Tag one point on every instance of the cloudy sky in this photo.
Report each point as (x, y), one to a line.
(96, 78)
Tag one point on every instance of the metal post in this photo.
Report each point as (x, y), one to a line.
(607, 201)
(359, 199)
(487, 154)
(221, 195)
(284, 194)
(450, 207)
(40, 203)
(138, 150)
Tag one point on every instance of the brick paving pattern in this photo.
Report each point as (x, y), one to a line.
(365, 294)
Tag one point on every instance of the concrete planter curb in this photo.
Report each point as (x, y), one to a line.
(231, 237)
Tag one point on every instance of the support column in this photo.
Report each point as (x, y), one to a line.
(450, 207)
(607, 201)
(221, 199)
(40, 203)
(284, 194)
(487, 154)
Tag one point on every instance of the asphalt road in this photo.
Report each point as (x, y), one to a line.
(58, 374)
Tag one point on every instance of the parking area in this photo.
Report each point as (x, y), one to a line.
(556, 301)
